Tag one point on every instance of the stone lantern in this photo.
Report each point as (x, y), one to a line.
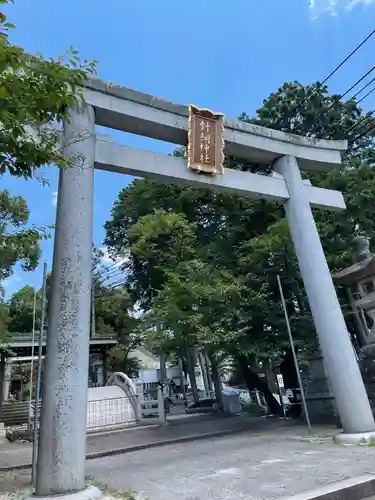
(359, 281)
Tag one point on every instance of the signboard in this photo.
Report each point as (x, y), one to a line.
(280, 381)
(206, 141)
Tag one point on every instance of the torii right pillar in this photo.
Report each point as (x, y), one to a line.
(340, 362)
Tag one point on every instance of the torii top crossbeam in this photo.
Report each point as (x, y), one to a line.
(124, 109)
(138, 113)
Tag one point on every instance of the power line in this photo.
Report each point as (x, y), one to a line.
(365, 96)
(366, 120)
(337, 98)
(117, 284)
(333, 72)
(357, 82)
(103, 269)
(108, 274)
(107, 281)
(109, 269)
(363, 119)
(366, 131)
(363, 88)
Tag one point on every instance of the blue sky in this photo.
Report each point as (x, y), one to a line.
(241, 51)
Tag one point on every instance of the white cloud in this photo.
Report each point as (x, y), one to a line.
(351, 4)
(332, 7)
(54, 198)
(320, 8)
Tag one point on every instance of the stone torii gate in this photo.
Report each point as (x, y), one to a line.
(61, 460)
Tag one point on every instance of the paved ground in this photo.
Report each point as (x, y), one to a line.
(194, 427)
(236, 467)
(268, 462)
(188, 427)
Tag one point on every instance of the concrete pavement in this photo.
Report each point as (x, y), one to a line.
(268, 463)
(18, 455)
(239, 467)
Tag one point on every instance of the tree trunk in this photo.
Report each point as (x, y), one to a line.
(204, 372)
(253, 381)
(191, 370)
(208, 370)
(270, 375)
(163, 367)
(2, 377)
(217, 383)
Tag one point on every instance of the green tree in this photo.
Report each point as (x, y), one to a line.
(21, 310)
(34, 95)
(114, 316)
(246, 239)
(120, 361)
(18, 241)
(4, 323)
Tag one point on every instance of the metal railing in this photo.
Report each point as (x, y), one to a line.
(125, 410)
(202, 395)
(112, 412)
(206, 395)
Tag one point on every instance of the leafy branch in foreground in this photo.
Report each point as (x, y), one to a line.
(34, 95)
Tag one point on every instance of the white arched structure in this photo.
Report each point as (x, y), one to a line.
(115, 405)
(125, 383)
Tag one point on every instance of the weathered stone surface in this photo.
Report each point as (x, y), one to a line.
(61, 458)
(89, 493)
(367, 366)
(143, 114)
(319, 397)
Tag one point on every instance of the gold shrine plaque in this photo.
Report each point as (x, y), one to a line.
(206, 141)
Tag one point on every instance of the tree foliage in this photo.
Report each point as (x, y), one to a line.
(120, 361)
(206, 263)
(21, 310)
(34, 95)
(18, 241)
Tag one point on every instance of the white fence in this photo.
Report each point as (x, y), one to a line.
(118, 412)
(112, 412)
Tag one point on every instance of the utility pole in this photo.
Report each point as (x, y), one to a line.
(93, 326)
(39, 377)
(32, 357)
(304, 405)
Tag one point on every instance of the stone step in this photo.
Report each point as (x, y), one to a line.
(356, 488)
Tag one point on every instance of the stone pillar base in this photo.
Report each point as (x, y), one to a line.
(354, 439)
(3, 434)
(319, 397)
(367, 366)
(89, 493)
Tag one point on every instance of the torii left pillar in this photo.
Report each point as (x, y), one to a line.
(62, 445)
